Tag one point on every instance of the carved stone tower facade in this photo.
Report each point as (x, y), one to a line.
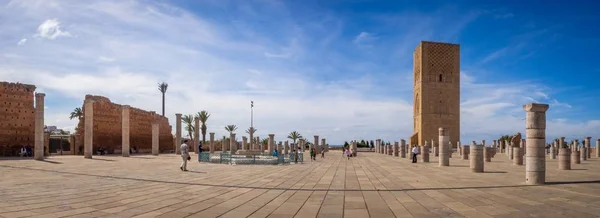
(436, 91)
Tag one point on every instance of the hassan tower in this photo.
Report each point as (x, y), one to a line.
(436, 91)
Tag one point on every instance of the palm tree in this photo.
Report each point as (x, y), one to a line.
(265, 141)
(77, 113)
(251, 132)
(203, 116)
(294, 136)
(231, 128)
(188, 120)
(162, 87)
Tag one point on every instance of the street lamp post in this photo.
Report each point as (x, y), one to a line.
(251, 125)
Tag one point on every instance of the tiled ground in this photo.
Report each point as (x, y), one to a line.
(371, 185)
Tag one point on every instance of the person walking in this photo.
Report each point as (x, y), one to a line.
(415, 151)
(322, 153)
(311, 154)
(348, 153)
(185, 155)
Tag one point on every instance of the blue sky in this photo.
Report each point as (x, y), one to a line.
(338, 69)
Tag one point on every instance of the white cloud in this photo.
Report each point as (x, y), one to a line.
(50, 29)
(274, 55)
(363, 37)
(496, 54)
(22, 42)
(209, 67)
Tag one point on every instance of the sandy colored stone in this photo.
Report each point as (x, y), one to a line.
(436, 82)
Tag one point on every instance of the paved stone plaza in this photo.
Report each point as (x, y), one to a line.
(371, 185)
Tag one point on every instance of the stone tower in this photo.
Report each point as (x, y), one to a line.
(436, 91)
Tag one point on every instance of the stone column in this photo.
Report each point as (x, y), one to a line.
(459, 148)
(425, 152)
(444, 155)
(197, 139)
(38, 153)
(535, 161)
(279, 148)
(155, 137)
(476, 158)
(495, 144)
(286, 148)
(177, 133)
(88, 140)
(72, 145)
(271, 143)
(212, 142)
(487, 153)
(232, 143)
(224, 144)
(125, 130)
(517, 156)
(377, 145)
(583, 153)
(588, 147)
(509, 151)
(323, 145)
(575, 157)
(465, 152)
(450, 149)
(174, 140)
(259, 145)
(554, 149)
(317, 149)
(354, 147)
(598, 148)
(524, 145)
(564, 159)
(402, 148)
(244, 143)
(395, 150)
(301, 144)
(385, 149)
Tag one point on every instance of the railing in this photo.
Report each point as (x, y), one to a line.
(244, 159)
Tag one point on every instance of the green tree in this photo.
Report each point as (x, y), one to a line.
(231, 128)
(162, 87)
(251, 131)
(77, 113)
(346, 145)
(203, 117)
(188, 120)
(294, 136)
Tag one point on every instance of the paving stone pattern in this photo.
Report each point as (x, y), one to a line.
(370, 185)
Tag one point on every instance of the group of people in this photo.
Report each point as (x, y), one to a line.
(26, 151)
(313, 154)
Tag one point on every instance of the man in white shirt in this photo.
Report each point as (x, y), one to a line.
(185, 154)
(415, 151)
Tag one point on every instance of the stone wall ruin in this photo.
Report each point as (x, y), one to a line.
(108, 130)
(17, 112)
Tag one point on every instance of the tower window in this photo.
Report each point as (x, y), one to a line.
(440, 78)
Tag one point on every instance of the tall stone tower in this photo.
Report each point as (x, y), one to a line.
(436, 91)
